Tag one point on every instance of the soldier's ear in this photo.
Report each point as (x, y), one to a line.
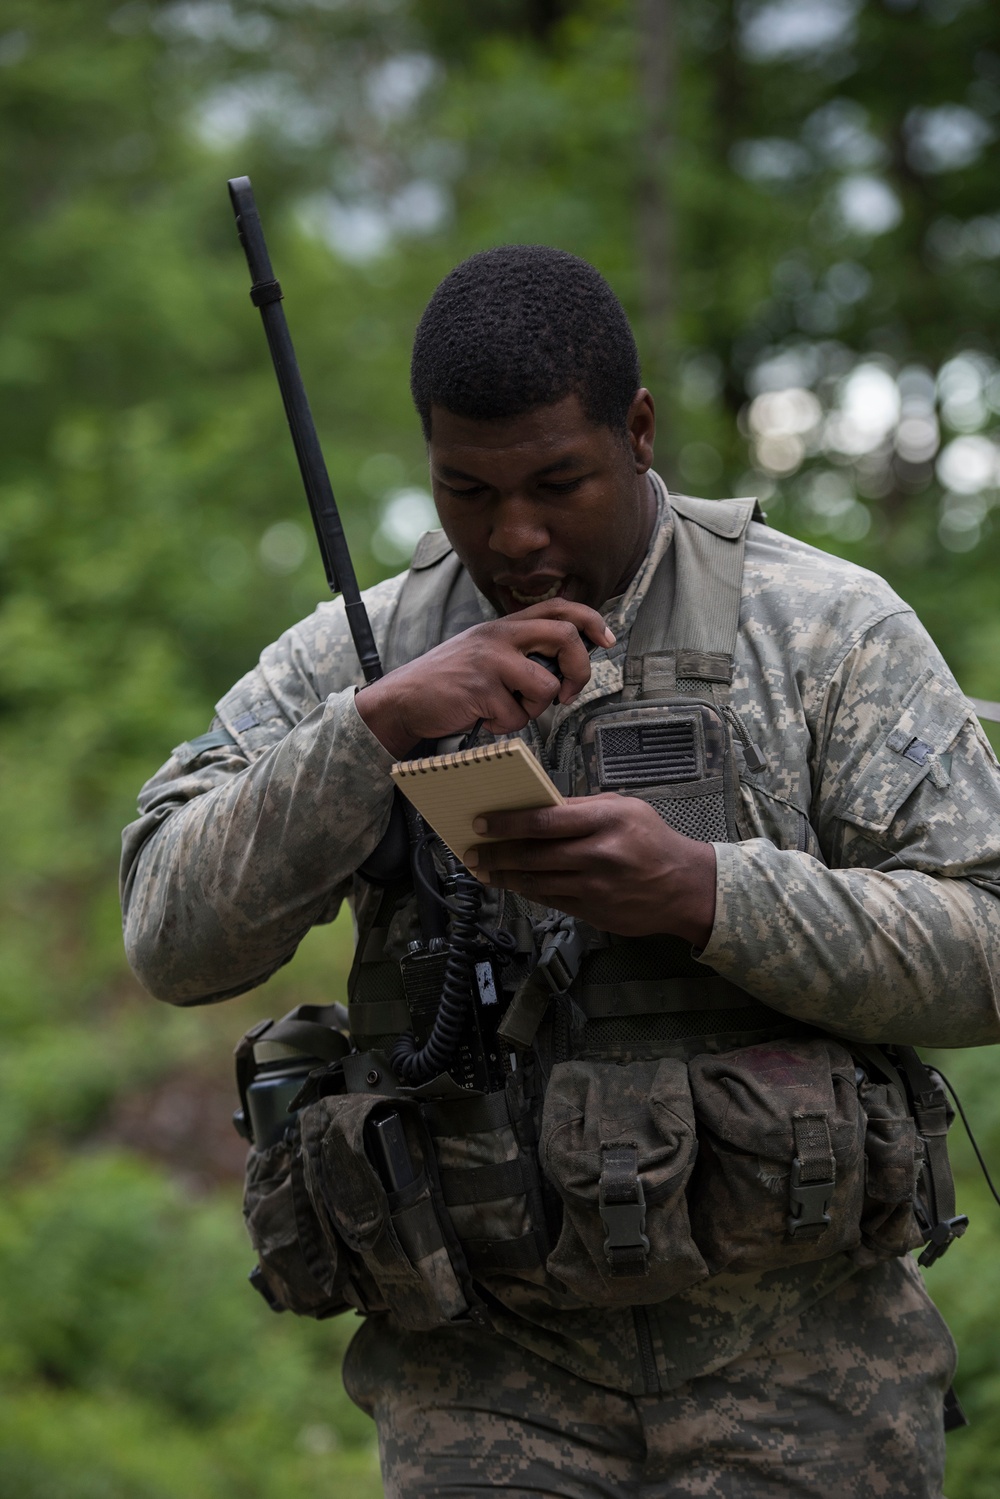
(641, 427)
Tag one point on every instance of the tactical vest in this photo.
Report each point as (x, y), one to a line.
(656, 1124)
(671, 741)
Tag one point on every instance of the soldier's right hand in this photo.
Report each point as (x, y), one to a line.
(476, 675)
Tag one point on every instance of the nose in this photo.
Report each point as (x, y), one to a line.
(518, 528)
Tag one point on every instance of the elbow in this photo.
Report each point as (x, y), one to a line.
(154, 962)
(186, 973)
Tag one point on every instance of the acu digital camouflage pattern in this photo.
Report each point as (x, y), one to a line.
(840, 1402)
(866, 904)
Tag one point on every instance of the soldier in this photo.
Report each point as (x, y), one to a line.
(821, 880)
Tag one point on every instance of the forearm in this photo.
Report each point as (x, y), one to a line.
(219, 893)
(900, 956)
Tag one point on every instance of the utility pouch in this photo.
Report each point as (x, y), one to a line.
(893, 1160)
(780, 1176)
(618, 1144)
(394, 1226)
(300, 1269)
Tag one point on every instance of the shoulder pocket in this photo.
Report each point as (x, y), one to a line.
(931, 716)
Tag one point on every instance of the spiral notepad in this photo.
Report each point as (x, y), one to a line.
(450, 790)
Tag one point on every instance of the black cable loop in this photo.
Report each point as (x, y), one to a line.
(505, 942)
(413, 1066)
(968, 1131)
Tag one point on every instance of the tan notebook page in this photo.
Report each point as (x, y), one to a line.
(450, 790)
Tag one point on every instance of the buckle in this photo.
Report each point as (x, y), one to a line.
(622, 1205)
(809, 1202)
(941, 1236)
(562, 953)
(626, 1246)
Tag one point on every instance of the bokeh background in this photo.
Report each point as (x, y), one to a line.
(797, 201)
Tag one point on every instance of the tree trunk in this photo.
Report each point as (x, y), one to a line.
(657, 70)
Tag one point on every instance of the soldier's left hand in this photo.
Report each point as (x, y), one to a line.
(607, 859)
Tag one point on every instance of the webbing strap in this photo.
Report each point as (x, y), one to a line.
(436, 591)
(929, 1106)
(812, 1178)
(659, 996)
(310, 1038)
(525, 1253)
(692, 606)
(418, 1229)
(622, 1205)
(467, 1116)
(463, 1185)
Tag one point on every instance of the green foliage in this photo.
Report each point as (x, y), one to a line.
(153, 539)
(135, 1364)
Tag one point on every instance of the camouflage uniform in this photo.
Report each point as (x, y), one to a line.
(866, 904)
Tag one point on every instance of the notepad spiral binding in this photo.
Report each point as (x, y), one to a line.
(458, 757)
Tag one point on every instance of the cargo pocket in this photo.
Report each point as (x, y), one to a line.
(893, 1158)
(618, 1144)
(398, 1233)
(301, 1270)
(780, 1176)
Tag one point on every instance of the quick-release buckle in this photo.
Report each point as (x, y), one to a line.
(622, 1204)
(626, 1242)
(562, 954)
(941, 1236)
(809, 1202)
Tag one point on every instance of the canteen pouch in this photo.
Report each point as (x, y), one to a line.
(618, 1144)
(893, 1158)
(780, 1176)
(404, 1243)
(301, 1268)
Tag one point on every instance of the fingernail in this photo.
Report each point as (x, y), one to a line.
(471, 858)
(609, 637)
(479, 825)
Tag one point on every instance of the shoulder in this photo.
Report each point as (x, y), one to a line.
(807, 604)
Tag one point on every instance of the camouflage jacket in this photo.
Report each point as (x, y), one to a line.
(866, 904)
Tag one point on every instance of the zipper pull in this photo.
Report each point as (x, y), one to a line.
(753, 755)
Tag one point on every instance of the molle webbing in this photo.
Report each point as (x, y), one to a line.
(661, 996)
(495, 1182)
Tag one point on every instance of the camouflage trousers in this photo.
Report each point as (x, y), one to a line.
(844, 1402)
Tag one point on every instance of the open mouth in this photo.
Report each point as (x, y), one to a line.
(541, 597)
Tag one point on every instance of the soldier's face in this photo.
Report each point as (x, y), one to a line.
(545, 505)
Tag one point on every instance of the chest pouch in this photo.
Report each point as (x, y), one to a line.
(676, 755)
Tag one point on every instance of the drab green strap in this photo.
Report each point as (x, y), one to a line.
(463, 1185)
(310, 1038)
(467, 1116)
(526, 1011)
(437, 599)
(659, 996)
(418, 1230)
(512, 1255)
(688, 620)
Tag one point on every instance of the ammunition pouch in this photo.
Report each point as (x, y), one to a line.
(301, 1268)
(781, 1172)
(618, 1144)
(643, 1178)
(401, 1236)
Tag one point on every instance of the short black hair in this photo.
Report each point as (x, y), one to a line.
(523, 326)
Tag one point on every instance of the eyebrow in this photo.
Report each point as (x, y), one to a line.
(559, 465)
